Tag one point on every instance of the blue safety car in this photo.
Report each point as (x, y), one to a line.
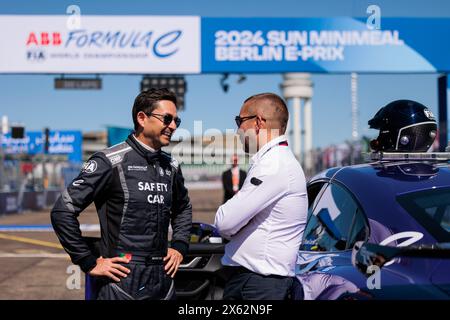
(379, 230)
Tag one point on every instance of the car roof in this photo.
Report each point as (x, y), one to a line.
(398, 177)
(376, 186)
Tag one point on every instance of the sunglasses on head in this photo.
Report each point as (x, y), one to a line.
(165, 118)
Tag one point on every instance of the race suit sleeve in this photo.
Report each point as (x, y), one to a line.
(259, 191)
(181, 219)
(93, 179)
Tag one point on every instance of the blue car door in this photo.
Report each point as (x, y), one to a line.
(335, 222)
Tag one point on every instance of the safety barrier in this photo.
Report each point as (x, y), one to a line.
(10, 202)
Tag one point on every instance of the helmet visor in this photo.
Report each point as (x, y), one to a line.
(417, 138)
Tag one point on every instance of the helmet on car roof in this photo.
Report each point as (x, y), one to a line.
(404, 125)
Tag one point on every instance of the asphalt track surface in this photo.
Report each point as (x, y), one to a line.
(33, 264)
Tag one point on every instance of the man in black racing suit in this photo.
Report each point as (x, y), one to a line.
(137, 190)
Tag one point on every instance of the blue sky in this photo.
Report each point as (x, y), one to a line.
(31, 99)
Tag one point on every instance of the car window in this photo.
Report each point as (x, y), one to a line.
(359, 230)
(335, 223)
(431, 208)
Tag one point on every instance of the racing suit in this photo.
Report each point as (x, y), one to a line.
(136, 193)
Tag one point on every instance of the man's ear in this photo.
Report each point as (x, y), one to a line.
(141, 117)
(260, 123)
(257, 125)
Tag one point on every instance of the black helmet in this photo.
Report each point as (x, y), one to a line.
(404, 125)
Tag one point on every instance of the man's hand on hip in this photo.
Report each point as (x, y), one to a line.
(172, 261)
(110, 267)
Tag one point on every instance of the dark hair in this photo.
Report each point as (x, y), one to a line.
(280, 108)
(147, 101)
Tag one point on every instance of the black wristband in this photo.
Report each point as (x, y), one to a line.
(180, 246)
(87, 263)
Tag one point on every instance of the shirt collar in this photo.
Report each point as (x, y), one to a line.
(267, 147)
(146, 147)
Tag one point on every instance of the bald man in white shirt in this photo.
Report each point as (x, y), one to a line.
(265, 220)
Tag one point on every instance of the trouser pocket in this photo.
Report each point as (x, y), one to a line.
(112, 291)
(143, 283)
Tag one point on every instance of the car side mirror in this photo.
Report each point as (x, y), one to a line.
(366, 255)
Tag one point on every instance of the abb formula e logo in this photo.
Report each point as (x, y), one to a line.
(162, 45)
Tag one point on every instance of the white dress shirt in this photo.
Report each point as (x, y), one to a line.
(265, 220)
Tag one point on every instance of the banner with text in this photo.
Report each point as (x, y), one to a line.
(325, 45)
(60, 142)
(100, 44)
(192, 45)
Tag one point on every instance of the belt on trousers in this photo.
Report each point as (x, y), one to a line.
(149, 259)
(240, 270)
